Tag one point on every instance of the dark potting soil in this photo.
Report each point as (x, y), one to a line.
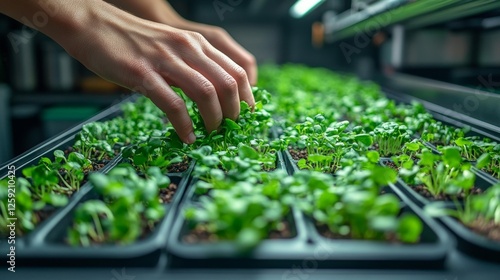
(200, 234)
(391, 165)
(97, 164)
(303, 154)
(486, 228)
(178, 167)
(422, 190)
(167, 194)
(297, 154)
(374, 147)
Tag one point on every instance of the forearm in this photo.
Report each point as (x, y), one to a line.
(154, 10)
(55, 18)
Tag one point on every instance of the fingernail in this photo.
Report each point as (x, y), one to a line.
(191, 138)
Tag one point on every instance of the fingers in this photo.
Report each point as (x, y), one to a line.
(238, 74)
(226, 85)
(207, 76)
(200, 90)
(226, 44)
(169, 102)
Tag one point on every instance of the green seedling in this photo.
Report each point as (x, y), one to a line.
(446, 173)
(390, 138)
(129, 207)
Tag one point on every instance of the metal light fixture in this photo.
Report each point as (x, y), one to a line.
(302, 7)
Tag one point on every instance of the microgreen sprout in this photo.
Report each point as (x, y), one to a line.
(390, 138)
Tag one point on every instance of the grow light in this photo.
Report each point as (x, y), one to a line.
(302, 7)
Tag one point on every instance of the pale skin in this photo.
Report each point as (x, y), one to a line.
(146, 46)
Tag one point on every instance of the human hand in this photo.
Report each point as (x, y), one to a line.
(220, 39)
(160, 11)
(150, 57)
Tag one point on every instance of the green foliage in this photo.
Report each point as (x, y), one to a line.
(350, 205)
(160, 150)
(390, 138)
(439, 134)
(490, 161)
(344, 125)
(129, 206)
(485, 206)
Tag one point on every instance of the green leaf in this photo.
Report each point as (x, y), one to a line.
(373, 156)
(245, 151)
(155, 143)
(364, 139)
(59, 154)
(232, 124)
(98, 180)
(326, 200)
(384, 175)
(412, 146)
(427, 158)
(463, 142)
(248, 238)
(483, 161)
(302, 164)
(452, 156)
(55, 200)
(384, 223)
(410, 228)
(436, 209)
(140, 159)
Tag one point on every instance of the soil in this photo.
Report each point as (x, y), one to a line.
(391, 165)
(200, 234)
(178, 167)
(167, 194)
(487, 229)
(302, 154)
(374, 147)
(97, 164)
(422, 190)
(325, 232)
(297, 154)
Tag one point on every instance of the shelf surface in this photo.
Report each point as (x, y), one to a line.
(414, 14)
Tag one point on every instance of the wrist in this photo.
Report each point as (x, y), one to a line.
(72, 22)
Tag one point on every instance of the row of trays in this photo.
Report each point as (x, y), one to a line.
(46, 245)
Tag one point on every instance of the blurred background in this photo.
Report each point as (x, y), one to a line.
(416, 46)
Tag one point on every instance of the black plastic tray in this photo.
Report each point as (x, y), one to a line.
(482, 183)
(429, 253)
(49, 248)
(472, 243)
(46, 149)
(224, 254)
(290, 163)
(307, 248)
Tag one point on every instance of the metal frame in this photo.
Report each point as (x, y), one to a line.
(5, 127)
(476, 108)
